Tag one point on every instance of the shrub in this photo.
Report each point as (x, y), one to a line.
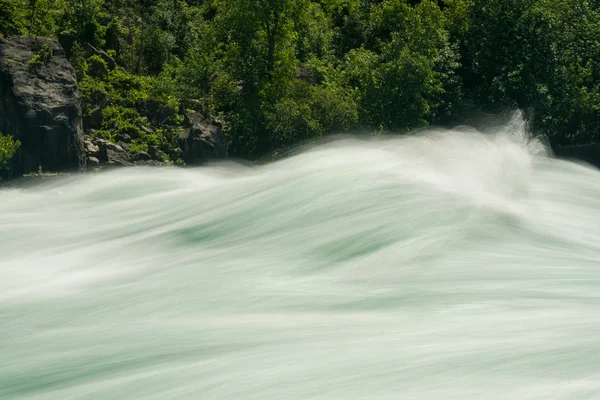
(8, 147)
(41, 58)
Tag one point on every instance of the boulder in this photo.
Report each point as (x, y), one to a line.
(124, 137)
(91, 148)
(40, 105)
(149, 163)
(147, 130)
(119, 158)
(93, 162)
(113, 154)
(201, 139)
(142, 156)
(94, 119)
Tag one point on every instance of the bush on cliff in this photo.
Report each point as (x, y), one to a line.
(8, 147)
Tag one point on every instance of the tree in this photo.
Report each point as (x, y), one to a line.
(540, 56)
(12, 17)
(83, 19)
(396, 67)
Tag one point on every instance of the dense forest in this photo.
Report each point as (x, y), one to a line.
(275, 72)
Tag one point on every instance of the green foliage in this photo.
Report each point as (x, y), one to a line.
(12, 17)
(396, 70)
(30, 17)
(83, 19)
(544, 60)
(96, 66)
(118, 121)
(8, 147)
(78, 61)
(130, 106)
(335, 107)
(42, 57)
(275, 72)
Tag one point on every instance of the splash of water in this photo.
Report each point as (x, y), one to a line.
(446, 265)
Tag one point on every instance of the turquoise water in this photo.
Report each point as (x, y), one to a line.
(447, 265)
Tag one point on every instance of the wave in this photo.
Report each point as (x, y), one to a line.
(448, 264)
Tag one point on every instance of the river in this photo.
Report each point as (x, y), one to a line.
(450, 264)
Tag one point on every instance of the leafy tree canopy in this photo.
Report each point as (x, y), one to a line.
(279, 71)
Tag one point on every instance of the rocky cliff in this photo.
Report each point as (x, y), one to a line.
(40, 105)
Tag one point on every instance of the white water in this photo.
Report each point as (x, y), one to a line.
(450, 265)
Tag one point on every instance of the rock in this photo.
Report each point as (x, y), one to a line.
(147, 130)
(176, 153)
(124, 137)
(201, 139)
(142, 156)
(94, 120)
(93, 162)
(90, 148)
(155, 153)
(129, 132)
(149, 163)
(589, 153)
(113, 154)
(107, 145)
(119, 158)
(40, 106)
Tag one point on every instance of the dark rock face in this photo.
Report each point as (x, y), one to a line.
(40, 106)
(202, 139)
(589, 153)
